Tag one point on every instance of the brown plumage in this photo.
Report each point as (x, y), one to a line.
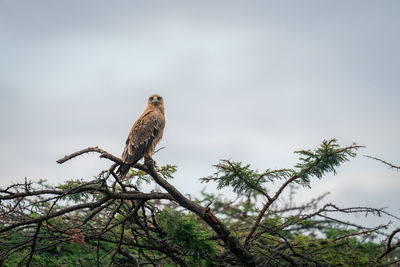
(146, 132)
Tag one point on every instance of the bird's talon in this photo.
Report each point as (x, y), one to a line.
(150, 160)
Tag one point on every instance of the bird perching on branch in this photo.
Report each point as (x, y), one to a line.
(146, 132)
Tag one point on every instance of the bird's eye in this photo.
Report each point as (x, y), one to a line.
(159, 97)
(151, 98)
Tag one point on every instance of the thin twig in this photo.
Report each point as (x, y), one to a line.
(384, 162)
(39, 224)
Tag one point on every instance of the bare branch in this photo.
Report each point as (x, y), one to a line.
(34, 238)
(54, 214)
(103, 154)
(389, 247)
(384, 162)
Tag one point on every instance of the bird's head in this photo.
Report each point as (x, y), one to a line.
(156, 100)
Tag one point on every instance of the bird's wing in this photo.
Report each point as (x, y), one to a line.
(141, 136)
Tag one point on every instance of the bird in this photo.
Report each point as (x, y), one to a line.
(146, 132)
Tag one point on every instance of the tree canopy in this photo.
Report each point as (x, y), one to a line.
(107, 221)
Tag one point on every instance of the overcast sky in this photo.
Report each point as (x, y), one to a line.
(250, 81)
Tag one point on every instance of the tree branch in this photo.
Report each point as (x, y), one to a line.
(55, 214)
(34, 238)
(206, 214)
(384, 162)
(390, 248)
(103, 154)
(265, 208)
(289, 181)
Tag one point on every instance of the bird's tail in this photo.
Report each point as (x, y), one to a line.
(123, 170)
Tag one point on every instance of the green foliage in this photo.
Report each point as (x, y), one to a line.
(167, 171)
(322, 160)
(319, 251)
(241, 178)
(71, 186)
(314, 163)
(141, 177)
(64, 254)
(332, 232)
(185, 232)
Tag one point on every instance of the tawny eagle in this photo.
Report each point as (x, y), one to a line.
(146, 132)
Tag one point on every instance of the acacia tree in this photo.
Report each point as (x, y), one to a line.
(111, 222)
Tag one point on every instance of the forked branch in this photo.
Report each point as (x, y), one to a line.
(391, 247)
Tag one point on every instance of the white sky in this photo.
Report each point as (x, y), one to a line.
(244, 80)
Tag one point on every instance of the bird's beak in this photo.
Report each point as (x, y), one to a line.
(155, 99)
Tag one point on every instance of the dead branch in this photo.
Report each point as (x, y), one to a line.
(384, 162)
(391, 247)
(103, 154)
(34, 238)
